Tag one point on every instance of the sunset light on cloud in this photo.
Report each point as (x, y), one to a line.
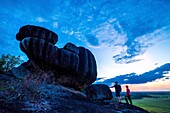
(129, 38)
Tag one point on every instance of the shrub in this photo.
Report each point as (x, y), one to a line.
(7, 62)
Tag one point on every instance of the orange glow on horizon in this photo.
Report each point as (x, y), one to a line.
(158, 85)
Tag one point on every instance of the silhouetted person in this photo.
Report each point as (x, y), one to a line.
(118, 89)
(127, 97)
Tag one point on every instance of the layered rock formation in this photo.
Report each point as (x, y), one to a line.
(38, 32)
(72, 66)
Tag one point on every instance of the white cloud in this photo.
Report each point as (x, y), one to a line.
(55, 24)
(167, 74)
(110, 33)
(154, 37)
(40, 19)
(107, 68)
(140, 45)
(55, 17)
(89, 18)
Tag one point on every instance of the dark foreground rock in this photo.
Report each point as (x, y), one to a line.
(99, 92)
(30, 96)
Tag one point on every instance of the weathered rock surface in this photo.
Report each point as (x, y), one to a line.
(72, 66)
(98, 92)
(44, 53)
(75, 69)
(20, 72)
(71, 47)
(36, 31)
(45, 98)
(87, 66)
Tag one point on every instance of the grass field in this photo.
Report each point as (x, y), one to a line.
(154, 102)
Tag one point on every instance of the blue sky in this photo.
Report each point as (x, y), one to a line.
(127, 36)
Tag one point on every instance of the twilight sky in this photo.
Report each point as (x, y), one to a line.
(130, 39)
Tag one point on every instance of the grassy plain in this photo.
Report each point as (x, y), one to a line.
(154, 102)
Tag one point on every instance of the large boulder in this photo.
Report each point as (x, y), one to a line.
(36, 31)
(98, 92)
(73, 66)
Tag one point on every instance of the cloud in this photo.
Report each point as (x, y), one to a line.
(135, 27)
(133, 78)
(110, 32)
(55, 24)
(139, 45)
(92, 40)
(167, 78)
(40, 19)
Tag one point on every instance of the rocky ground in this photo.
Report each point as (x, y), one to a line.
(31, 96)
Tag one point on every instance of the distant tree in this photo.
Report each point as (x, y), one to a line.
(7, 62)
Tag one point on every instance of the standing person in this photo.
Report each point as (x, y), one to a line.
(118, 89)
(127, 97)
